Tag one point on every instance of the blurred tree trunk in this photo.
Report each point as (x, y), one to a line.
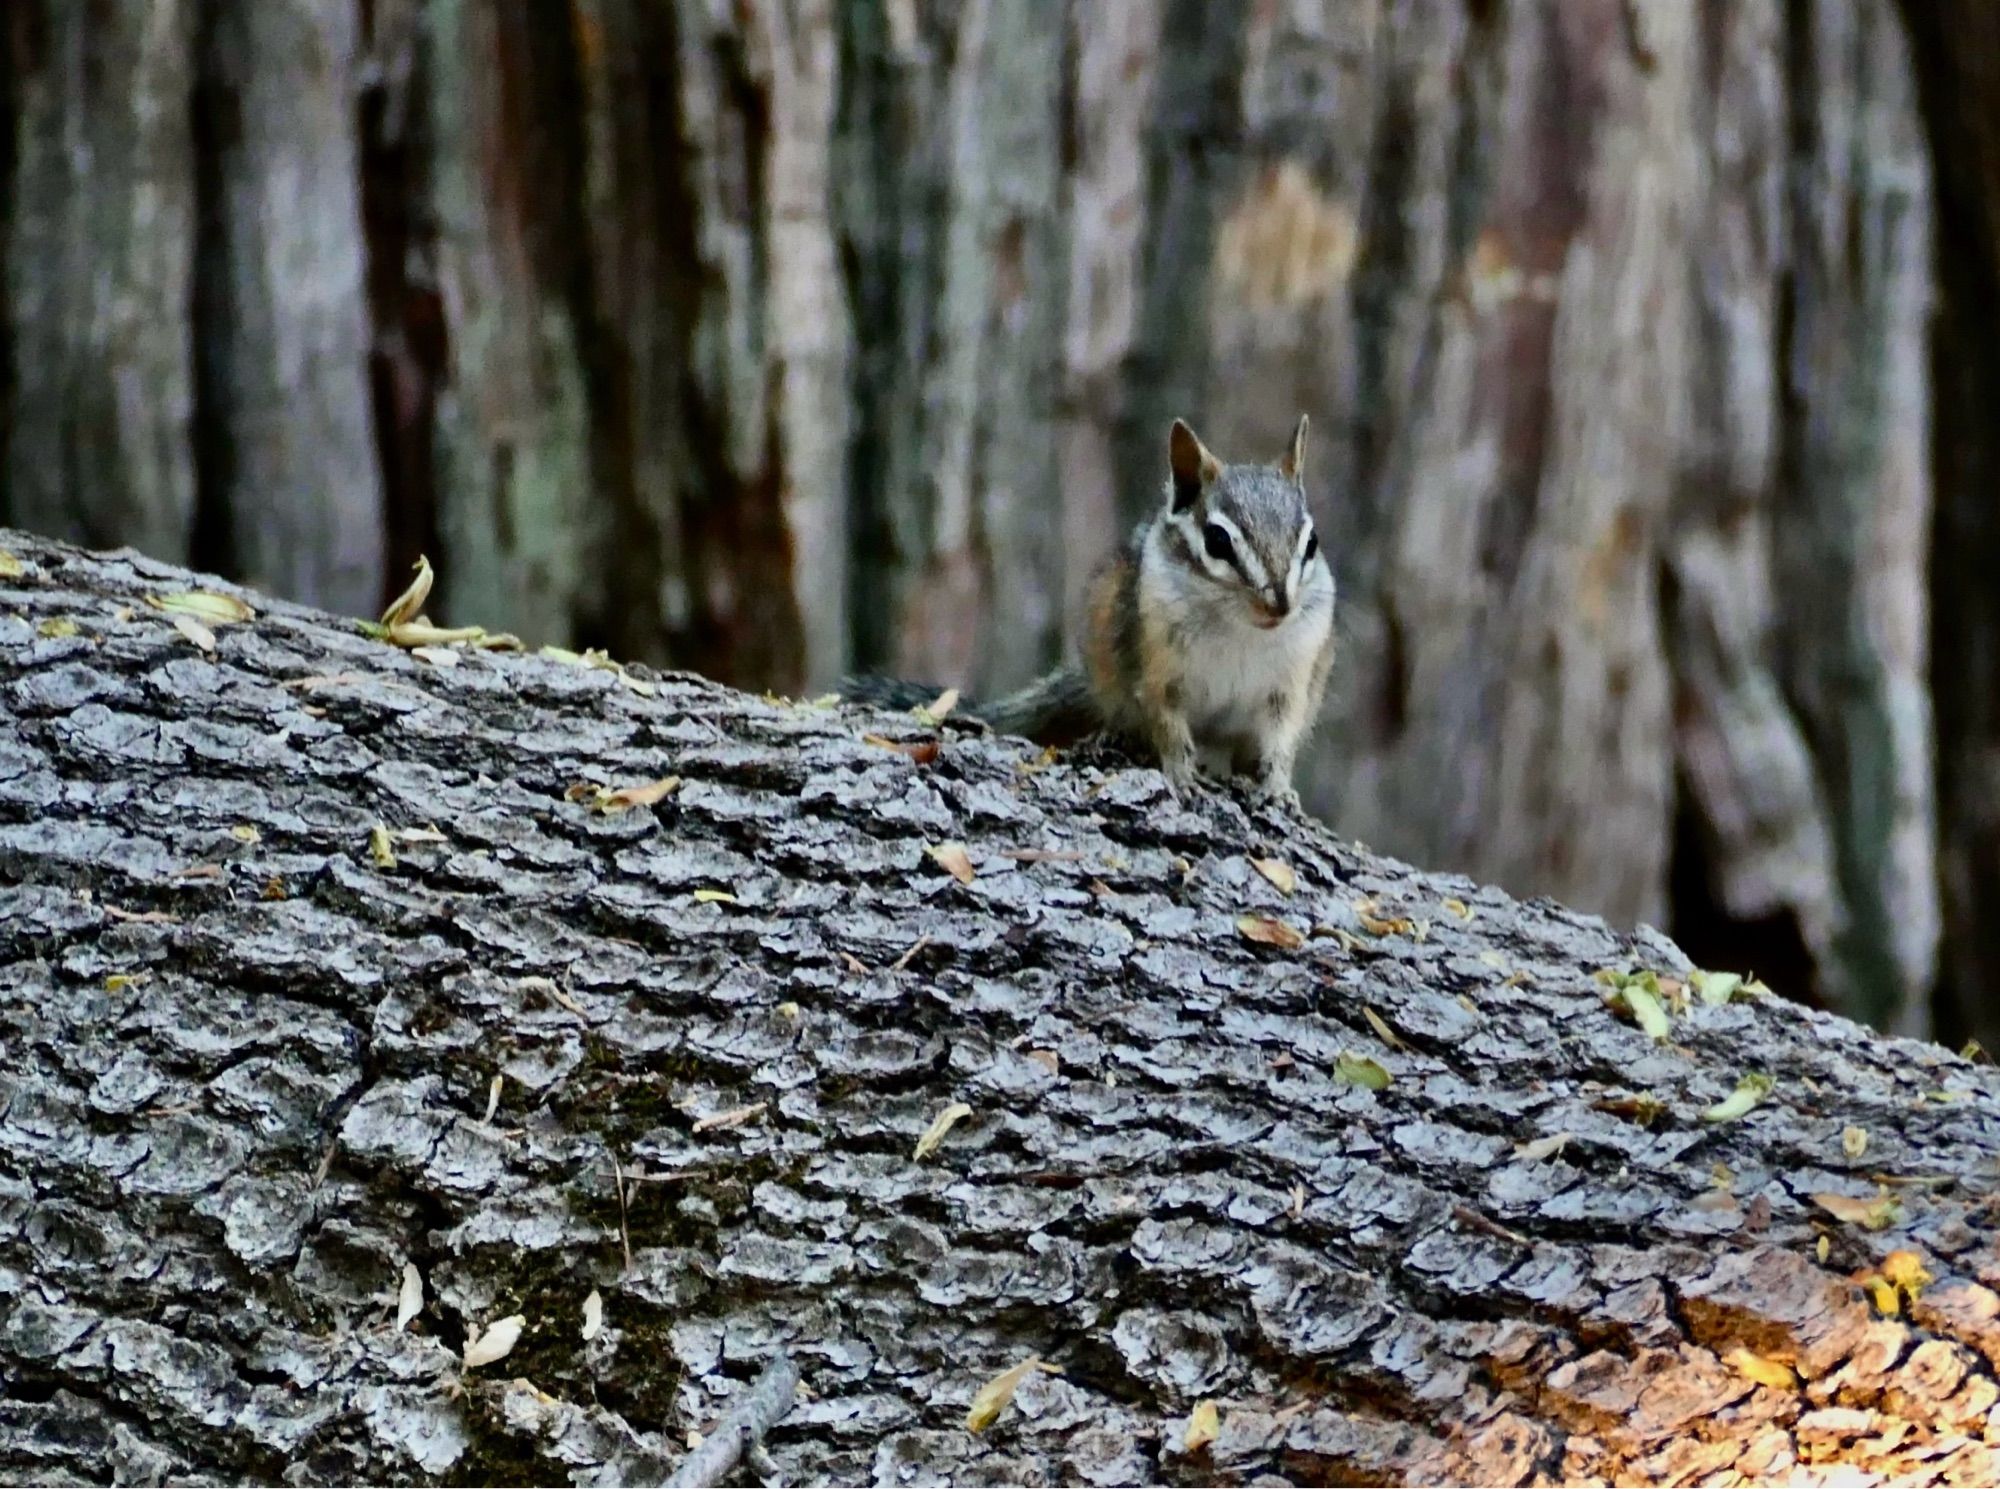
(1957, 48)
(100, 211)
(788, 337)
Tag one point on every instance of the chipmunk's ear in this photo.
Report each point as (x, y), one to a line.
(1293, 466)
(1192, 465)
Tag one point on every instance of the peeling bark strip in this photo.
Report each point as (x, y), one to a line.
(277, 914)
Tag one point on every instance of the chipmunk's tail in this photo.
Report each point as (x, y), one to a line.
(1053, 710)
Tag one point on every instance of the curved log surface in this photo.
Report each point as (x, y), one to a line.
(269, 1070)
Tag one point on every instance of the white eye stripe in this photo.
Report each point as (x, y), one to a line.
(1246, 557)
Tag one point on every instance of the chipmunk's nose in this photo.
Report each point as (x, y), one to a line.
(1272, 607)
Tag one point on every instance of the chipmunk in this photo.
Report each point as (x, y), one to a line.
(1209, 635)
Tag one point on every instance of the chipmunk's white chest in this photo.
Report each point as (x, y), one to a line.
(1234, 671)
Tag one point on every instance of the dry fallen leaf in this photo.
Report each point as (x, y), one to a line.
(1824, 1248)
(921, 751)
(438, 656)
(1278, 872)
(243, 832)
(410, 1298)
(379, 847)
(935, 712)
(991, 1399)
(650, 794)
(204, 605)
(408, 604)
(1459, 908)
(1377, 925)
(1773, 1373)
(1049, 1060)
(953, 859)
(935, 1133)
(1381, 1027)
(714, 897)
(1853, 1141)
(735, 1118)
(1542, 1147)
(56, 628)
(1266, 931)
(593, 1315)
(1875, 1214)
(10, 566)
(496, 1343)
(493, 1089)
(202, 637)
(1644, 1109)
(1204, 1426)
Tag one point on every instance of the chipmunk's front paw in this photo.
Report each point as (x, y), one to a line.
(1278, 793)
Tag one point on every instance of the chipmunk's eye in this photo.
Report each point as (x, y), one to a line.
(1312, 547)
(1216, 541)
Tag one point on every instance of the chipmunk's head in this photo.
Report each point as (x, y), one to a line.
(1246, 528)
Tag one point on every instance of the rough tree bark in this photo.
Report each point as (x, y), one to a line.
(264, 1058)
(784, 338)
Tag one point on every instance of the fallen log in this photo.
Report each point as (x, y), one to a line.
(458, 1064)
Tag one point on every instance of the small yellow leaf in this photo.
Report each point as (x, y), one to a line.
(954, 860)
(1376, 925)
(714, 897)
(410, 603)
(1824, 1249)
(935, 712)
(496, 1343)
(1459, 908)
(493, 1090)
(1882, 1293)
(379, 847)
(1906, 1270)
(1204, 1426)
(1717, 988)
(991, 1399)
(204, 605)
(1381, 1027)
(788, 1011)
(1360, 1070)
(1853, 1141)
(10, 566)
(1268, 932)
(934, 1134)
(1752, 1089)
(1639, 995)
(56, 628)
(1773, 1373)
(118, 981)
(243, 832)
(1278, 872)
